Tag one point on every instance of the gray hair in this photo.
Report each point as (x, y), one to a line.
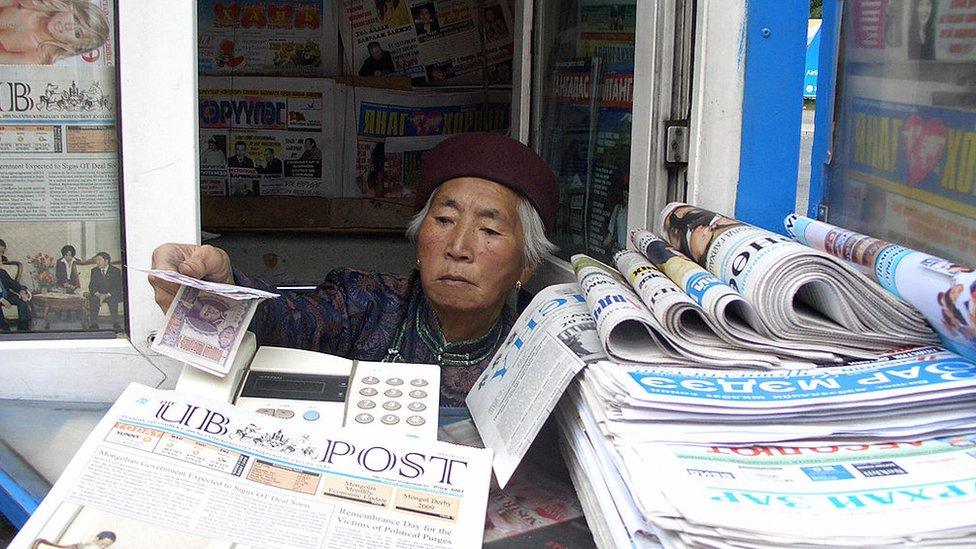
(533, 232)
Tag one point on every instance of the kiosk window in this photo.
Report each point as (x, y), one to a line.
(584, 119)
(60, 220)
(905, 149)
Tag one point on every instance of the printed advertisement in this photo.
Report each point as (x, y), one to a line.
(65, 33)
(267, 137)
(607, 30)
(432, 42)
(376, 168)
(267, 38)
(909, 169)
(911, 30)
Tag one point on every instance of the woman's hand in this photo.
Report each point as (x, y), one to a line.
(203, 262)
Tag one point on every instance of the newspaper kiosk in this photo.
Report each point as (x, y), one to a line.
(706, 107)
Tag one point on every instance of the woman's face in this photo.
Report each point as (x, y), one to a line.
(68, 255)
(924, 10)
(470, 246)
(698, 241)
(64, 28)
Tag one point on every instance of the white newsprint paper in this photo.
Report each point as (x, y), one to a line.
(165, 470)
(553, 339)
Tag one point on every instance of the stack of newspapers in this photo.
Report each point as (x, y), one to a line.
(771, 395)
(721, 293)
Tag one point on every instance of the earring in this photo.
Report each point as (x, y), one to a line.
(518, 285)
(418, 262)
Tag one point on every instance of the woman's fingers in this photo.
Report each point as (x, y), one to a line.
(208, 263)
(204, 262)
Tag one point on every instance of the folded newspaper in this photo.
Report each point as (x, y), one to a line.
(165, 470)
(944, 291)
(206, 321)
(801, 294)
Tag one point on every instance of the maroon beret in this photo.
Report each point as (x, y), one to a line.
(494, 157)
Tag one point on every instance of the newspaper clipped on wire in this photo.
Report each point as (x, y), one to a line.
(206, 321)
(944, 291)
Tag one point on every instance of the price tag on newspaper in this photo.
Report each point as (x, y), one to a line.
(206, 321)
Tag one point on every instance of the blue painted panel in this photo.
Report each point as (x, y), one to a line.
(812, 59)
(772, 108)
(15, 503)
(824, 118)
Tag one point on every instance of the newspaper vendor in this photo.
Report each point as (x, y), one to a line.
(485, 202)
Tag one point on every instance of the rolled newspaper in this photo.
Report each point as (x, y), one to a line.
(801, 293)
(944, 291)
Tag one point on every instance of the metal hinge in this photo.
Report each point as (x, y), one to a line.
(676, 143)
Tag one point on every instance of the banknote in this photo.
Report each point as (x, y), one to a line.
(204, 329)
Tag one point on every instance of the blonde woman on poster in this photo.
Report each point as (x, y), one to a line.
(42, 32)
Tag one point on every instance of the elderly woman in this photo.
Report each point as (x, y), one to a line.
(485, 201)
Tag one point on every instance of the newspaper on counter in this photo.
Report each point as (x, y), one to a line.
(432, 42)
(802, 294)
(913, 492)
(268, 136)
(920, 393)
(206, 321)
(944, 291)
(376, 116)
(267, 37)
(164, 469)
(515, 394)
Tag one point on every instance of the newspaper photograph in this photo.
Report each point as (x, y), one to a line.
(234, 473)
(944, 291)
(423, 118)
(515, 394)
(36, 32)
(848, 494)
(802, 294)
(607, 29)
(267, 38)
(267, 137)
(432, 42)
(206, 321)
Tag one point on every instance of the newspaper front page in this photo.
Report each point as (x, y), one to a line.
(944, 291)
(162, 469)
(430, 41)
(268, 137)
(551, 342)
(58, 143)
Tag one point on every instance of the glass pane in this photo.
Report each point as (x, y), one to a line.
(904, 165)
(59, 168)
(586, 87)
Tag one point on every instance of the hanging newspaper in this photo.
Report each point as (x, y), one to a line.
(726, 312)
(802, 294)
(607, 29)
(58, 143)
(945, 292)
(163, 469)
(552, 340)
(422, 117)
(267, 37)
(267, 137)
(206, 321)
(434, 41)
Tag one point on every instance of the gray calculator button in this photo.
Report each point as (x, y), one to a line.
(266, 411)
(364, 418)
(371, 380)
(390, 419)
(417, 393)
(393, 393)
(416, 421)
(418, 382)
(416, 406)
(394, 381)
(366, 404)
(367, 391)
(391, 405)
(283, 413)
